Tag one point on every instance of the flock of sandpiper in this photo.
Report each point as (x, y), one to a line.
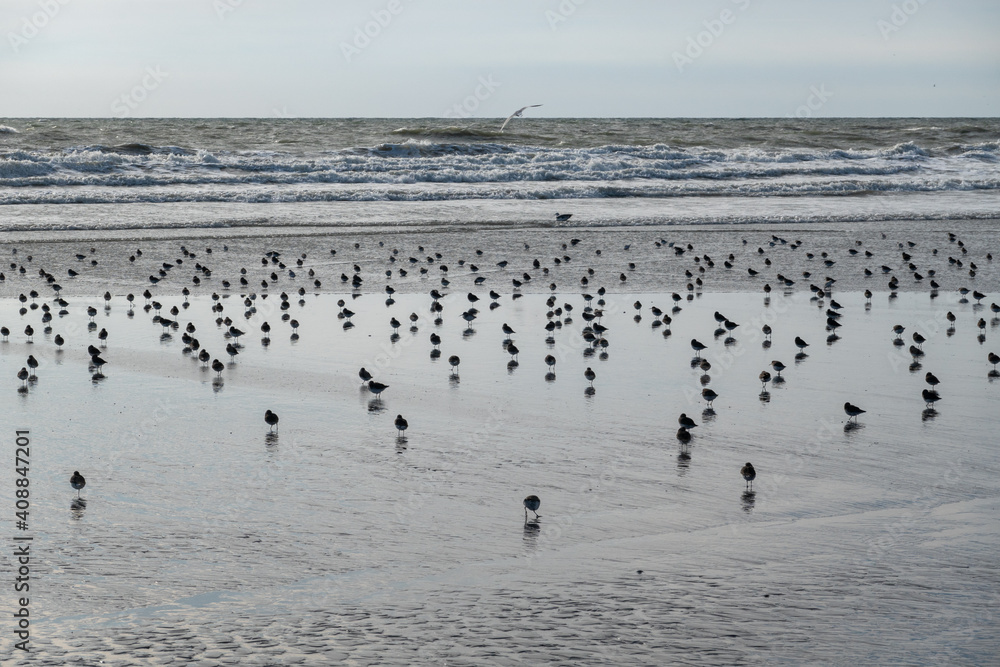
(557, 316)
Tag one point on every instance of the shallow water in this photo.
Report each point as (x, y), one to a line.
(204, 537)
(601, 257)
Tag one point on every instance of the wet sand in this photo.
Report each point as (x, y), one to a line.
(206, 538)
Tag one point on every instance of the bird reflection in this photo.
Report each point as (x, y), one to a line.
(852, 426)
(270, 439)
(928, 414)
(532, 529)
(218, 385)
(401, 444)
(76, 508)
(748, 499)
(375, 405)
(550, 377)
(683, 461)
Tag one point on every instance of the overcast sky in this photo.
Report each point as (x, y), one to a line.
(312, 58)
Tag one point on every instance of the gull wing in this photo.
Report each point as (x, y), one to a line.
(516, 114)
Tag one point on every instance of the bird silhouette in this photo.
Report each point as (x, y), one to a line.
(77, 481)
(271, 420)
(532, 503)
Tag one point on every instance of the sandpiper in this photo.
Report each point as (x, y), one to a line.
(77, 482)
(271, 419)
(930, 397)
(764, 378)
(853, 411)
(401, 424)
(749, 474)
(709, 396)
(532, 503)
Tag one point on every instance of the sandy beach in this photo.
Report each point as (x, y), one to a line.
(205, 537)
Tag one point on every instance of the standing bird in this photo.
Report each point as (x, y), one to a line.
(590, 375)
(364, 375)
(271, 420)
(994, 359)
(550, 361)
(709, 396)
(801, 344)
(697, 347)
(777, 366)
(853, 411)
(686, 422)
(749, 474)
(532, 503)
(77, 482)
(930, 397)
(517, 114)
(454, 361)
(932, 379)
(218, 366)
(377, 388)
(401, 424)
(764, 378)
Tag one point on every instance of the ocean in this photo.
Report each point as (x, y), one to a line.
(336, 173)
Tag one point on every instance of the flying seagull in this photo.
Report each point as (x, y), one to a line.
(517, 114)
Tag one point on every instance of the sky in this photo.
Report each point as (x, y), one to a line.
(485, 58)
